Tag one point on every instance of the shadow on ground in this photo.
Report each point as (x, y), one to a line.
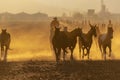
(78, 70)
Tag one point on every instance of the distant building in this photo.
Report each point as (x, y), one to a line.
(103, 7)
(91, 12)
(104, 11)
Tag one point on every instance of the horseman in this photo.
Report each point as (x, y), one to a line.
(110, 25)
(54, 24)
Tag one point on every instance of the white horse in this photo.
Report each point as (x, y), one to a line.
(104, 41)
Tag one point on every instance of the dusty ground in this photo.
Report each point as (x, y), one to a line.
(80, 70)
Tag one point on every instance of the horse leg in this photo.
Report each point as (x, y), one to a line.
(6, 52)
(104, 52)
(110, 50)
(64, 54)
(83, 53)
(2, 52)
(88, 52)
(80, 47)
(71, 57)
(100, 47)
(59, 54)
(80, 53)
(9, 44)
(71, 54)
(56, 54)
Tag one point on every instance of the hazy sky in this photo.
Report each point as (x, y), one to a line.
(56, 7)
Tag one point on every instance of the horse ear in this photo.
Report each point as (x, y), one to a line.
(78, 27)
(90, 25)
(95, 25)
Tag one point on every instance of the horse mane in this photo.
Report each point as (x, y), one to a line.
(88, 34)
(72, 33)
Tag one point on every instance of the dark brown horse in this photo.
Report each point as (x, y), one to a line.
(104, 41)
(5, 43)
(62, 40)
(86, 41)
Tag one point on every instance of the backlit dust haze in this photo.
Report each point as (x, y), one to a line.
(30, 40)
(56, 7)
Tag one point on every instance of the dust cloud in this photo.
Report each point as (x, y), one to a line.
(30, 41)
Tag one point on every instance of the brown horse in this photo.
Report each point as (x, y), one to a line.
(5, 43)
(62, 40)
(86, 41)
(104, 41)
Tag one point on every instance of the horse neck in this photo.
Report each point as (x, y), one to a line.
(109, 35)
(56, 33)
(89, 34)
(4, 33)
(73, 33)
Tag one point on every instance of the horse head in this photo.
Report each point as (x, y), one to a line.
(4, 30)
(78, 31)
(93, 30)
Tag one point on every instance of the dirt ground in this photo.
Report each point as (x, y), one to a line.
(44, 70)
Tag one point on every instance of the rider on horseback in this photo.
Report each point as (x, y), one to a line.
(110, 25)
(54, 24)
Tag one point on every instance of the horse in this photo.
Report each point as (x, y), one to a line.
(63, 40)
(86, 41)
(5, 40)
(104, 41)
